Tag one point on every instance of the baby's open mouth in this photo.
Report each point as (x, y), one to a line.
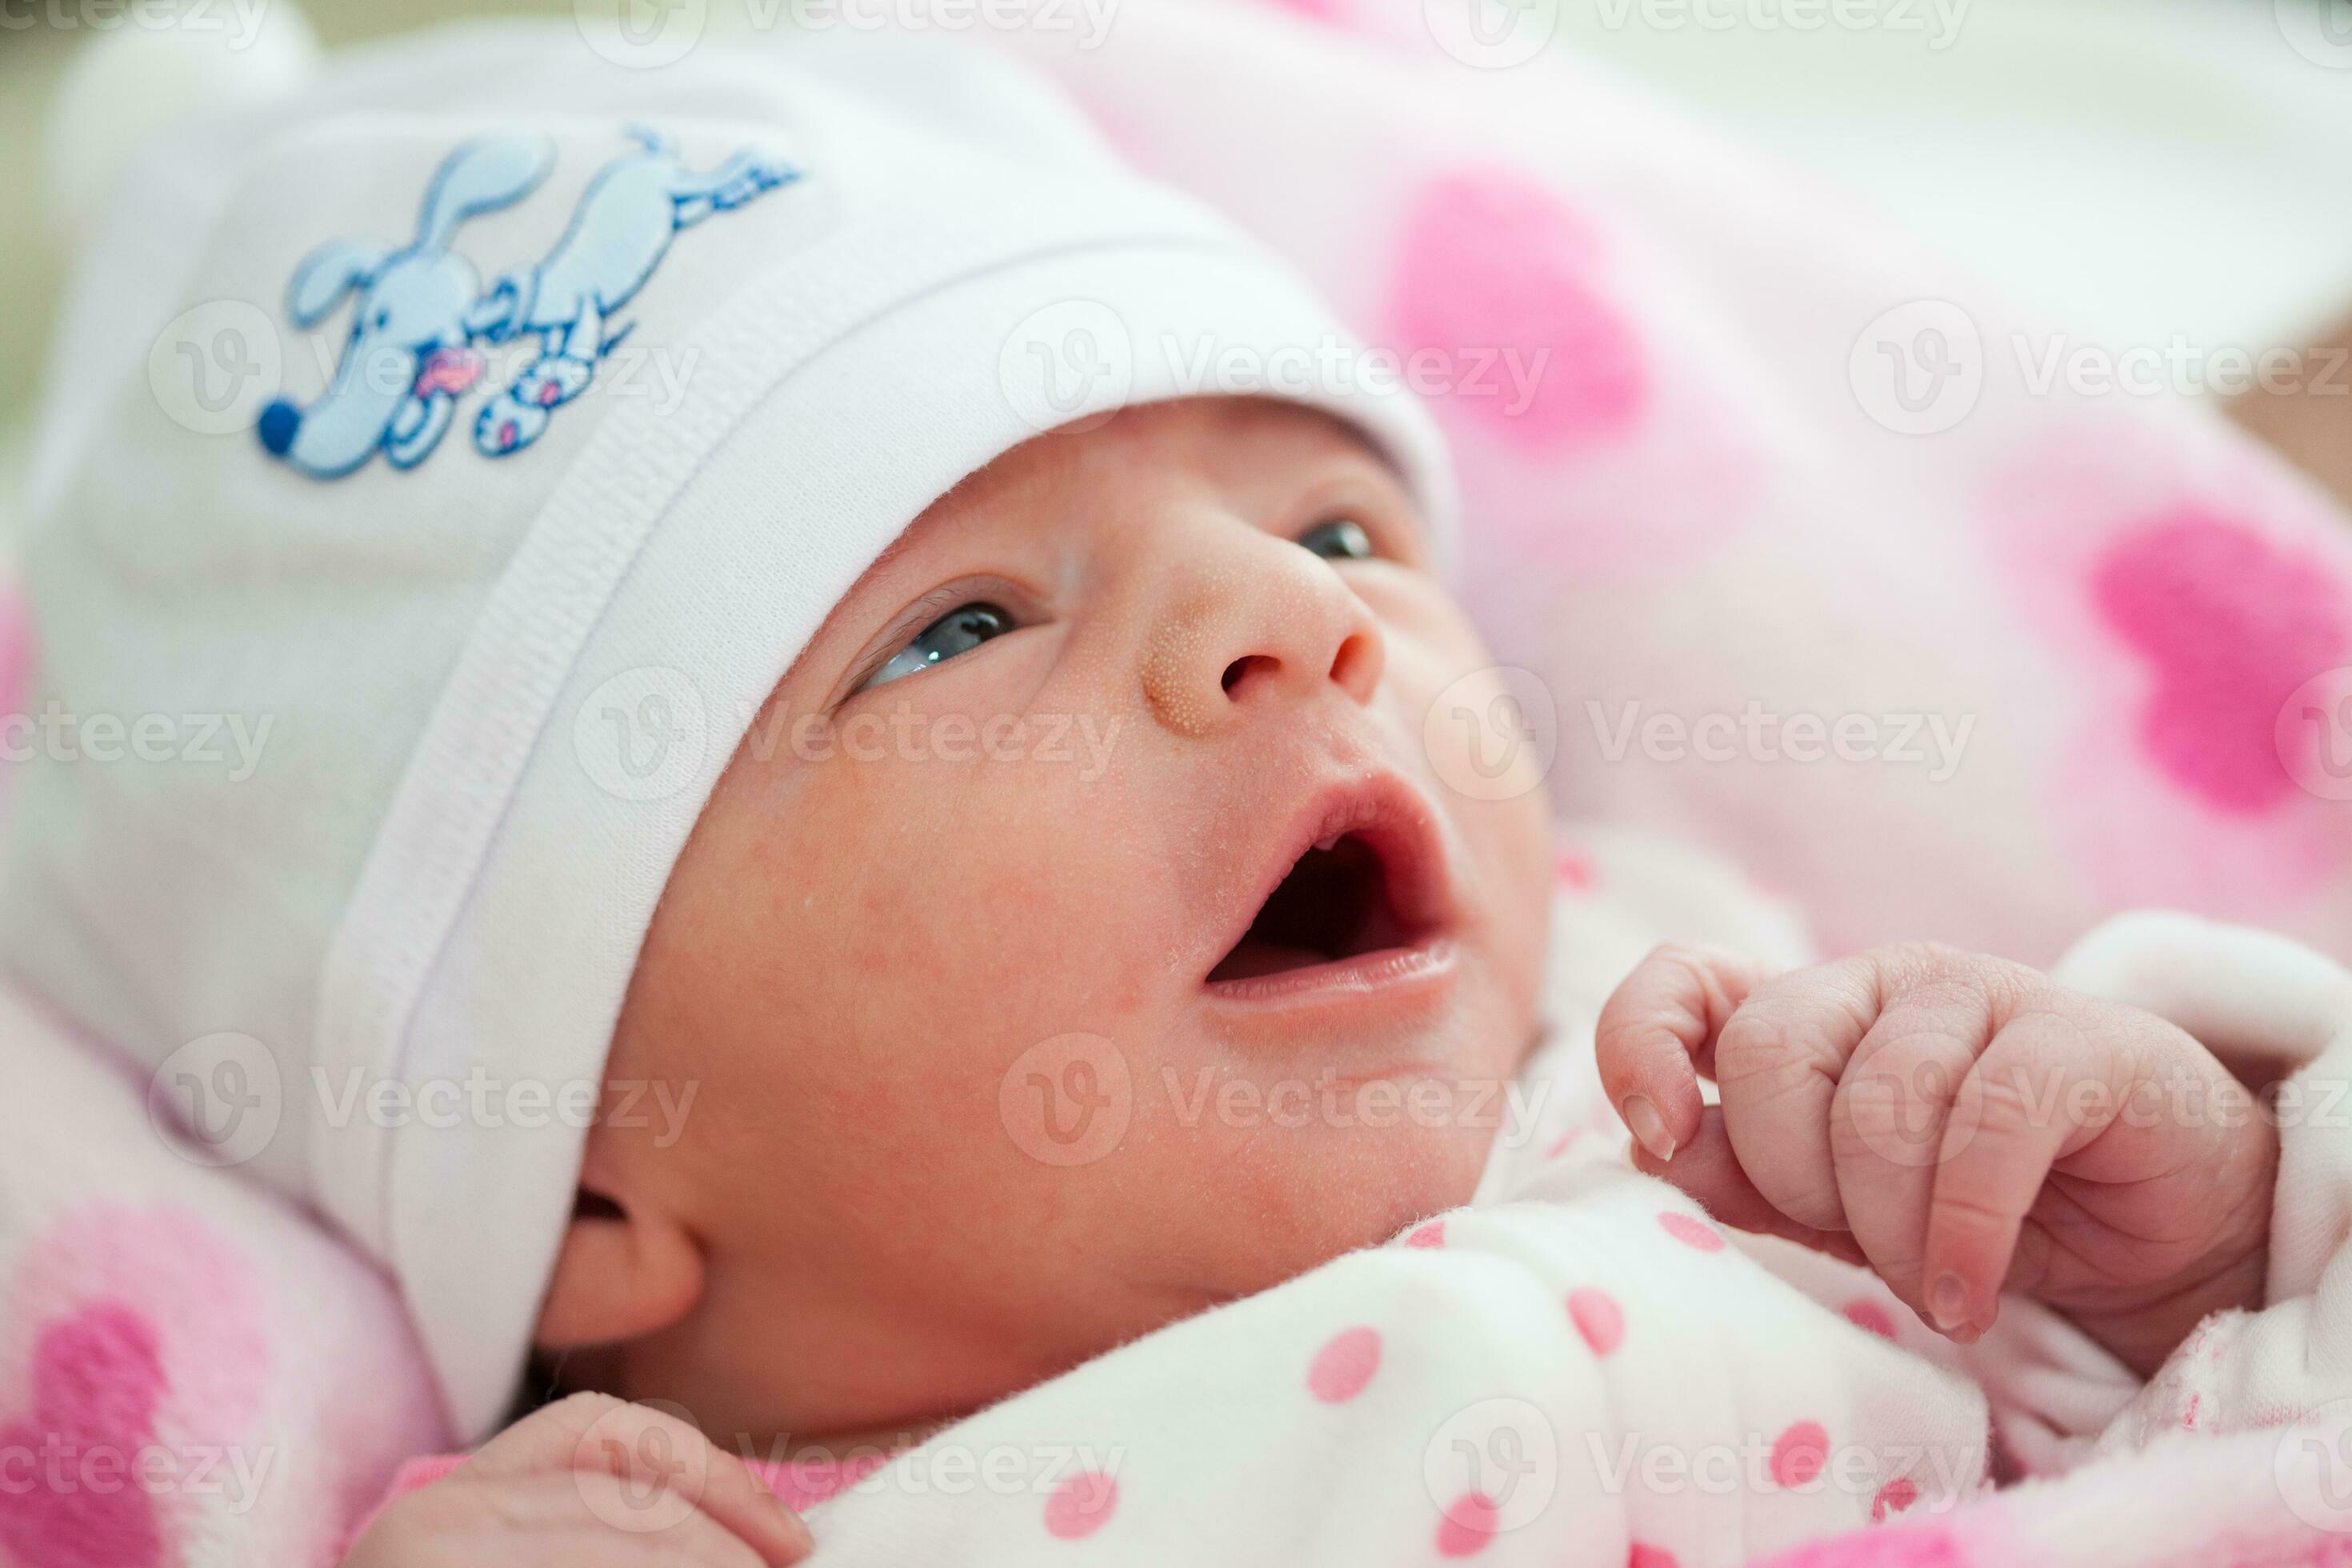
(1334, 904)
(1364, 882)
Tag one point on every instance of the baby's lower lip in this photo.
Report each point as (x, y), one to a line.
(1393, 978)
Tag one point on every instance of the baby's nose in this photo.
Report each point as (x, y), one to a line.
(1267, 626)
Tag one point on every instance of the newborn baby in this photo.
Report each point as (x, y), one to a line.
(882, 857)
(1271, 882)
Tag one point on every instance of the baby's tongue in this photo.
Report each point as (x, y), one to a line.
(1258, 955)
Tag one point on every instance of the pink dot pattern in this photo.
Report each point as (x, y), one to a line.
(1081, 1505)
(1344, 1365)
(1598, 1317)
(1892, 1498)
(1433, 1233)
(97, 1381)
(1691, 1232)
(1491, 257)
(2229, 627)
(1798, 1453)
(1870, 1318)
(1468, 1526)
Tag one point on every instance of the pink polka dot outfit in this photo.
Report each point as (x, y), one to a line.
(1582, 1368)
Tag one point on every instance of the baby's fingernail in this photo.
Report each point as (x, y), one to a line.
(1649, 1128)
(1947, 1301)
(803, 1542)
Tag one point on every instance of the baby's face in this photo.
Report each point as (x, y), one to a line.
(1049, 861)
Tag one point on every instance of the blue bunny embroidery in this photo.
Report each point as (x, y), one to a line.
(421, 309)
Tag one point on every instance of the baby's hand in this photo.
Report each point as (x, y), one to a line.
(1960, 1124)
(589, 1482)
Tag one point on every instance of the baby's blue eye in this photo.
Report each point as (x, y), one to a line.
(960, 630)
(1340, 539)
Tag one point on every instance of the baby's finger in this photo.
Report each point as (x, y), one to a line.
(1898, 1113)
(655, 1453)
(637, 1528)
(1656, 1036)
(1709, 1173)
(547, 1519)
(2002, 1141)
(1778, 1061)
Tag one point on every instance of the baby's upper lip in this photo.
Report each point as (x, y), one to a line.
(1386, 813)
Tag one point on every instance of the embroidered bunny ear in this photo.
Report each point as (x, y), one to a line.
(483, 175)
(328, 273)
(132, 81)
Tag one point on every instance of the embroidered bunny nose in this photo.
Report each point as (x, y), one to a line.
(278, 423)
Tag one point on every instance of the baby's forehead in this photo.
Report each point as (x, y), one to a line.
(1216, 437)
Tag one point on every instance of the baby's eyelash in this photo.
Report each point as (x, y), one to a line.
(986, 599)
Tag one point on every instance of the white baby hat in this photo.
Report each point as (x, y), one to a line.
(443, 459)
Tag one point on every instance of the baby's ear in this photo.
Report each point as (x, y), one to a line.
(626, 1269)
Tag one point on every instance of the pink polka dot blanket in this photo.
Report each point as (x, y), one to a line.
(191, 1373)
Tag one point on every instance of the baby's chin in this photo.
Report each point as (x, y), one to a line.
(1273, 1213)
